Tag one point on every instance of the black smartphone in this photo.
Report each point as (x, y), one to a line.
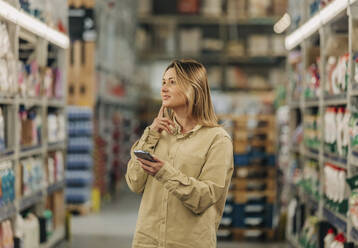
(144, 155)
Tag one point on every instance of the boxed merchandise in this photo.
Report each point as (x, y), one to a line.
(144, 7)
(190, 41)
(237, 8)
(258, 45)
(236, 77)
(188, 6)
(278, 45)
(33, 178)
(235, 48)
(279, 7)
(214, 76)
(259, 8)
(211, 7)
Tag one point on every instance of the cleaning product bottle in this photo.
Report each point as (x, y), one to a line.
(342, 185)
(334, 242)
(329, 238)
(345, 139)
(340, 127)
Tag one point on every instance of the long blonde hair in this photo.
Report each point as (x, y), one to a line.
(192, 79)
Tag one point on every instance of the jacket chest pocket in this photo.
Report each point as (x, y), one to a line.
(190, 165)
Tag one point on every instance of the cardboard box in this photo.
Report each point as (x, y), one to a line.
(59, 208)
(259, 45)
(259, 8)
(237, 8)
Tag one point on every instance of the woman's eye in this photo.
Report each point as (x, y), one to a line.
(172, 82)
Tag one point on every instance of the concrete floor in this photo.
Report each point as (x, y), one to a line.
(114, 226)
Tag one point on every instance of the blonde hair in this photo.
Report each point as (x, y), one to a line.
(192, 79)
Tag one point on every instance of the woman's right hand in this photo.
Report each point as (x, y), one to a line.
(161, 123)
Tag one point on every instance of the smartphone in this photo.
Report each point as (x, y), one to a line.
(144, 155)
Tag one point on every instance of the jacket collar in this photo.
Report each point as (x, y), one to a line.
(178, 130)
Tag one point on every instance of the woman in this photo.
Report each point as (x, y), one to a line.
(184, 190)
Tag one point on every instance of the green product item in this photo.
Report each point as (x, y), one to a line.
(49, 222)
(353, 129)
(353, 182)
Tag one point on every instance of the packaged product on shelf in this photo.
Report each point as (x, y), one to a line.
(7, 183)
(56, 127)
(258, 45)
(278, 45)
(355, 59)
(329, 238)
(7, 237)
(188, 6)
(236, 8)
(259, 8)
(48, 79)
(336, 189)
(309, 234)
(4, 40)
(33, 179)
(55, 167)
(337, 74)
(211, 7)
(2, 131)
(31, 125)
(353, 131)
(190, 41)
(330, 130)
(313, 82)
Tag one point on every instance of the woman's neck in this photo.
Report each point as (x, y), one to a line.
(186, 122)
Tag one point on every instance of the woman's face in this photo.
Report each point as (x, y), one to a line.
(172, 96)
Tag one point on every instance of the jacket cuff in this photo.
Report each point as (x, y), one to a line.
(165, 173)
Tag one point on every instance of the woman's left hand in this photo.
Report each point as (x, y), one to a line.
(151, 167)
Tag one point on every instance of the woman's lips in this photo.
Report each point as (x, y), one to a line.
(166, 97)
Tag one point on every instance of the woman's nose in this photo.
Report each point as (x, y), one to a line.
(164, 88)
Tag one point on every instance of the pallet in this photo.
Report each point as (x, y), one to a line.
(246, 184)
(250, 171)
(79, 209)
(254, 234)
(266, 196)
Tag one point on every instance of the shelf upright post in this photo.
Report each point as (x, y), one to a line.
(351, 16)
(322, 66)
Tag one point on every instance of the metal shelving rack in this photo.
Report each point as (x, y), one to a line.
(220, 58)
(40, 36)
(350, 10)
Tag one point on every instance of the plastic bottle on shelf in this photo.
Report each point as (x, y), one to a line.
(342, 186)
(2, 131)
(345, 137)
(340, 132)
(329, 238)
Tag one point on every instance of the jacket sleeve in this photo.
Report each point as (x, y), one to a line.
(136, 177)
(200, 193)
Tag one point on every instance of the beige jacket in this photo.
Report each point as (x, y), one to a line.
(182, 205)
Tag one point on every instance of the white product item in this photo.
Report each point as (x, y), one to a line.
(2, 131)
(31, 231)
(211, 7)
(190, 41)
(327, 171)
(340, 127)
(4, 40)
(59, 165)
(342, 185)
(12, 74)
(52, 127)
(61, 123)
(329, 238)
(345, 123)
(336, 182)
(4, 83)
(19, 227)
(338, 76)
(51, 171)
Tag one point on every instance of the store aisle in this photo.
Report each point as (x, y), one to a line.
(113, 227)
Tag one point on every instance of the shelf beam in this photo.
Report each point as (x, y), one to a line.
(33, 25)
